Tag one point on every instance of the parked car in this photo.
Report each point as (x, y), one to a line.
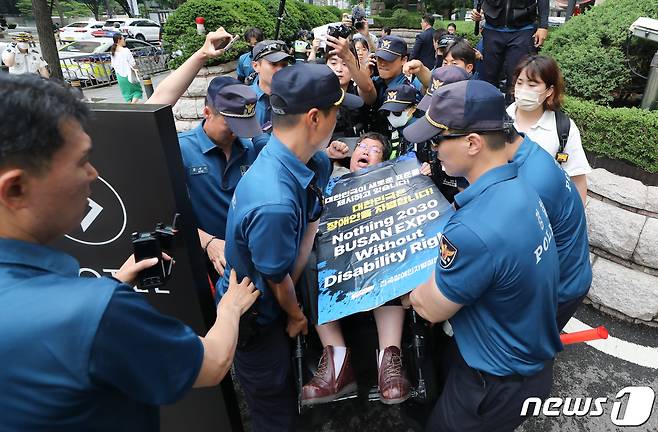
(79, 30)
(89, 60)
(138, 28)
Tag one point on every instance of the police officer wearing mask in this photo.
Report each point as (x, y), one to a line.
(391, 56)
(400, 111)
(216, 155)
(271, 225)
(21, 58)
(270, 56)
(82, 353)
(497, 275)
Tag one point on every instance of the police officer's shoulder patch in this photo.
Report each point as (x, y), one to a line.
(448, 252)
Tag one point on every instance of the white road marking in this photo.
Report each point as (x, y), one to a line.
(629, 351)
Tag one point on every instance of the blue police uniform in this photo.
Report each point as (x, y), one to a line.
(85, 354)
(505, 276)
(245, 68)
(567, 216)
(499, 260)
(263, 107)
(266, 223)
(268, 218)
(211, 179)
(382, 86)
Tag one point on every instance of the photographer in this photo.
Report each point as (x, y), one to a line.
(80, 353)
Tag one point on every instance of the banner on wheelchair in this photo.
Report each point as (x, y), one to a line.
(379, 237)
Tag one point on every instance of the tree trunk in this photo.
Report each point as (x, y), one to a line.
(46, 37)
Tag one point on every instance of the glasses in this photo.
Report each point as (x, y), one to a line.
(372, 149)
(438, 139)
(314, 193)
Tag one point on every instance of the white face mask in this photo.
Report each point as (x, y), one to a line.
(399, 121)
(528, 100)
(22, 45)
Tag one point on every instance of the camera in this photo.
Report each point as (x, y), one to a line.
(151, 244)
(341, 31)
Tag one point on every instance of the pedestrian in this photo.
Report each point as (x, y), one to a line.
(124, 67)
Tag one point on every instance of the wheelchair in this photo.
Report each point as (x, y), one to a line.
(420, 344)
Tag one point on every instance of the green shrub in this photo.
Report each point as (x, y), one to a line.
(236, 16)
(401, 18)
(629, 134)
(590, 48)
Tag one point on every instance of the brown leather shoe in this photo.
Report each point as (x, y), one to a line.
(324, 386)
(393, 385)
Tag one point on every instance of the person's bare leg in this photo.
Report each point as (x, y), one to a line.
(331, 334)
(390, 320)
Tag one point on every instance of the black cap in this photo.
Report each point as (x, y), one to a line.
(461, 107)
(302, 86)
(442, 76)
(399, 98)
(391, 48)
(237, 103)
(271, 50)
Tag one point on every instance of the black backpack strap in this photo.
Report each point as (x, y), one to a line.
(563, 126)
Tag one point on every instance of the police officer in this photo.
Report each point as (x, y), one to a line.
(391, 56)
(567, 215)
(272, 221)
(80, 353)
(22, 58)
(497, 275)
(510, 33)
(216, 154)
(270, 56)
(245, 67)
(400, 111)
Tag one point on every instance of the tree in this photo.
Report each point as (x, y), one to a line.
(92, 5)
(47, 37)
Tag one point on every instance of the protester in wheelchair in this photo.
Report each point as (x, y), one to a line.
(334, 376)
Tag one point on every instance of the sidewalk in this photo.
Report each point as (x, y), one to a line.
(112, 94)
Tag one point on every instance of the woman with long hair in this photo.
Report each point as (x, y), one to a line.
(538, 92)
(123, 64)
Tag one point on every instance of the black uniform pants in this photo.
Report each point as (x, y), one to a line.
(505, 49)
(474, 401)
(566, 310)
(264, 371)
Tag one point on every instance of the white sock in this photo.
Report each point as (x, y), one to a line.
(380, 357)
(339, 358)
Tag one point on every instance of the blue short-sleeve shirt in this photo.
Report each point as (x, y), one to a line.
(566, 213)
(211, 179)
(263, 107)
(382, 86)
(267, 220)
(498, 259)
(81, 353)
(245, 67)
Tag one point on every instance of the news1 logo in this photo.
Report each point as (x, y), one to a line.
(637, 410)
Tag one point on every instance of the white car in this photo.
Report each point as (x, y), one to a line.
(79, 30)
(138, 28)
